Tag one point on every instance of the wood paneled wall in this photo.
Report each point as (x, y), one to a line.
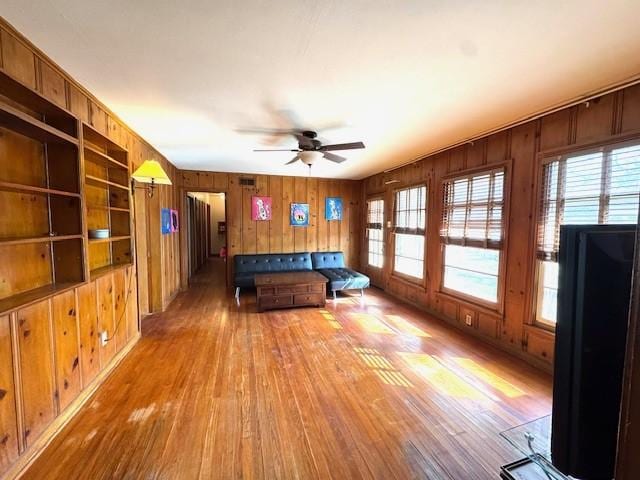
(50, 356)
(608, 118)
(276, 236)
(51, 359)
(157, 255)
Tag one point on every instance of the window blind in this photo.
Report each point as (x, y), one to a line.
(375, 214)
(594, 187)
(410, 210)
(472, 210)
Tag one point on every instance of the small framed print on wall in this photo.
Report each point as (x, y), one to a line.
(333, 208)
(260, 208)
(299, 215)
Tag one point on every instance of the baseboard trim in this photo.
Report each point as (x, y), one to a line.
(31, 454)
(534, 362)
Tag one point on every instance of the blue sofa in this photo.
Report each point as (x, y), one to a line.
(331, 265)
(246, 266)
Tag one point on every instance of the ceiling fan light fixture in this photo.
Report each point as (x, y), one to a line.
(310, 157)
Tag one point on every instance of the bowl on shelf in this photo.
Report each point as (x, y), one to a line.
(99, 233)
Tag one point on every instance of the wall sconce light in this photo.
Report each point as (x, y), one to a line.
(151, 174)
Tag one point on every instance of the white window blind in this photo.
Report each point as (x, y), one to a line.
(410, 210)
(596, 187)
(375, 238)
(472, 210)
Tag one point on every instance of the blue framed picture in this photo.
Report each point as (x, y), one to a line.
(165, 220)
(299, 215)
(333, 208)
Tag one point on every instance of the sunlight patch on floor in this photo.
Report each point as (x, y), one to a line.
(371, 324)
(382, 367)
(488, 377)
(440, 377)
(331, 319)
(407, 327)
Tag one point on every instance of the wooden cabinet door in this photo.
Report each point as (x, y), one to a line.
(36, 367)
(89, 342)
(119, 307)
(132, 303)
(8, 420)
(104, 286)
(65, 334)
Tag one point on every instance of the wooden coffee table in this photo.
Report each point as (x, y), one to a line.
(290, 289)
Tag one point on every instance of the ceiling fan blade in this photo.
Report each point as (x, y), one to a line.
(272, 131)
(342, 146)
(293, 160)
(278, 150)
(333, 157)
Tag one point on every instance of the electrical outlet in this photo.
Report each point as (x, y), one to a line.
(468, 320)
(103, 338)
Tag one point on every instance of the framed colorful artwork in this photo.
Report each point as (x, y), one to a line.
(333, 208)
(174, 220)
(165, 221)
(299, 215)
(260, 208)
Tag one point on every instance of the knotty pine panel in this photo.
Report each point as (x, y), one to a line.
(36, 369)
(88, 329)
(24, 267)
(120, 308)
(277, 215)
(104, 289)
(52, 84)
(65, 335)
(22, 159)
(8, 416)
(594, 119)
(17, 59)
(630, 106)
(132, 303)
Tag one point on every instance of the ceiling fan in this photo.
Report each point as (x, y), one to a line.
(310, 149)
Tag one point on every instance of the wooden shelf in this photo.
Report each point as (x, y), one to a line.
(91, 135)
(104, 207)
(110, 239)
(30, 188)
(98, 272)
(52, 114)
(42, 239)
(25, 124)
(95, 155)
(32, 296)
(99, 182)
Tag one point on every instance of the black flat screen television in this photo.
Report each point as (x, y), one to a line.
(595, 265)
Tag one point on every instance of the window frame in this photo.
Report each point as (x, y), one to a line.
(498, 305)
(543, 158)
(374, 198)
(415, 281)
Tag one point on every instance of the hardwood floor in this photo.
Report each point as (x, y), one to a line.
(359, 389)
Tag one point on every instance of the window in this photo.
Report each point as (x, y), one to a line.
(593, 187)
(409, 230)
(375, 230)
(472, 233)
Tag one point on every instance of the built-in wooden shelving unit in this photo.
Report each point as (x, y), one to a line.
(59, 177)
(107, 192)
(41, 233)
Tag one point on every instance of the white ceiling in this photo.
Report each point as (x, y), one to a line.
(405, 77)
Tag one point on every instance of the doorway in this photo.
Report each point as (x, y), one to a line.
(206, 236)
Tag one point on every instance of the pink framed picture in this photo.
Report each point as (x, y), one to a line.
(260, 208)
(174, 221)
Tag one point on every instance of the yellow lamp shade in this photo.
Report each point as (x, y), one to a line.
(151, 172)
